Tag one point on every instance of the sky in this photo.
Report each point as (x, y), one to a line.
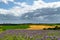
(29, 11)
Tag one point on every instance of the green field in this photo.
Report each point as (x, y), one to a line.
(13, 26)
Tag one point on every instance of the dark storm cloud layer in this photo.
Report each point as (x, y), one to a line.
(44, 15)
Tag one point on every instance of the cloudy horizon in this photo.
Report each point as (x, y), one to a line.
(29, 11)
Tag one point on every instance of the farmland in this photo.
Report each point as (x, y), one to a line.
(27, 26)
(29, 32)
(39, 27)
(13, 26)
(30, 35)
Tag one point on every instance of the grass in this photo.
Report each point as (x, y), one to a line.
(13, 26)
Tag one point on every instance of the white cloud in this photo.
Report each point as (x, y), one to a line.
(3, 11)
(25, 8)
(53, 4)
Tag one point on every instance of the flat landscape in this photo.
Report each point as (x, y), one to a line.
(29, 19)
(27, 26)
(29, 31)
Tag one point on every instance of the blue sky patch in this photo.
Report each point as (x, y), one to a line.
(30, 2)
(7, 6)
(51, 1)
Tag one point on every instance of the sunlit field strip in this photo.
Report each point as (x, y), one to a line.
(39, 27)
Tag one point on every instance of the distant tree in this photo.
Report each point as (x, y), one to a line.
(44, 29)
(56, 26)
(50, 29)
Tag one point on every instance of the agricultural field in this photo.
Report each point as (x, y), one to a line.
(39, 27)
(29, 32)
(42, 26)
(27, 26)
(13, 26)
(30, 35)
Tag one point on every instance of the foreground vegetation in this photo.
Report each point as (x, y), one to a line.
(30, 35)
(9, 32)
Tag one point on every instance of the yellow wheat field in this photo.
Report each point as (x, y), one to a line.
(39, 27)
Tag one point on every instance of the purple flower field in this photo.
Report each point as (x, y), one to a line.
(30, 35)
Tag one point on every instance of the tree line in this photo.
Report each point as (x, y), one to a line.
(55, 28)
